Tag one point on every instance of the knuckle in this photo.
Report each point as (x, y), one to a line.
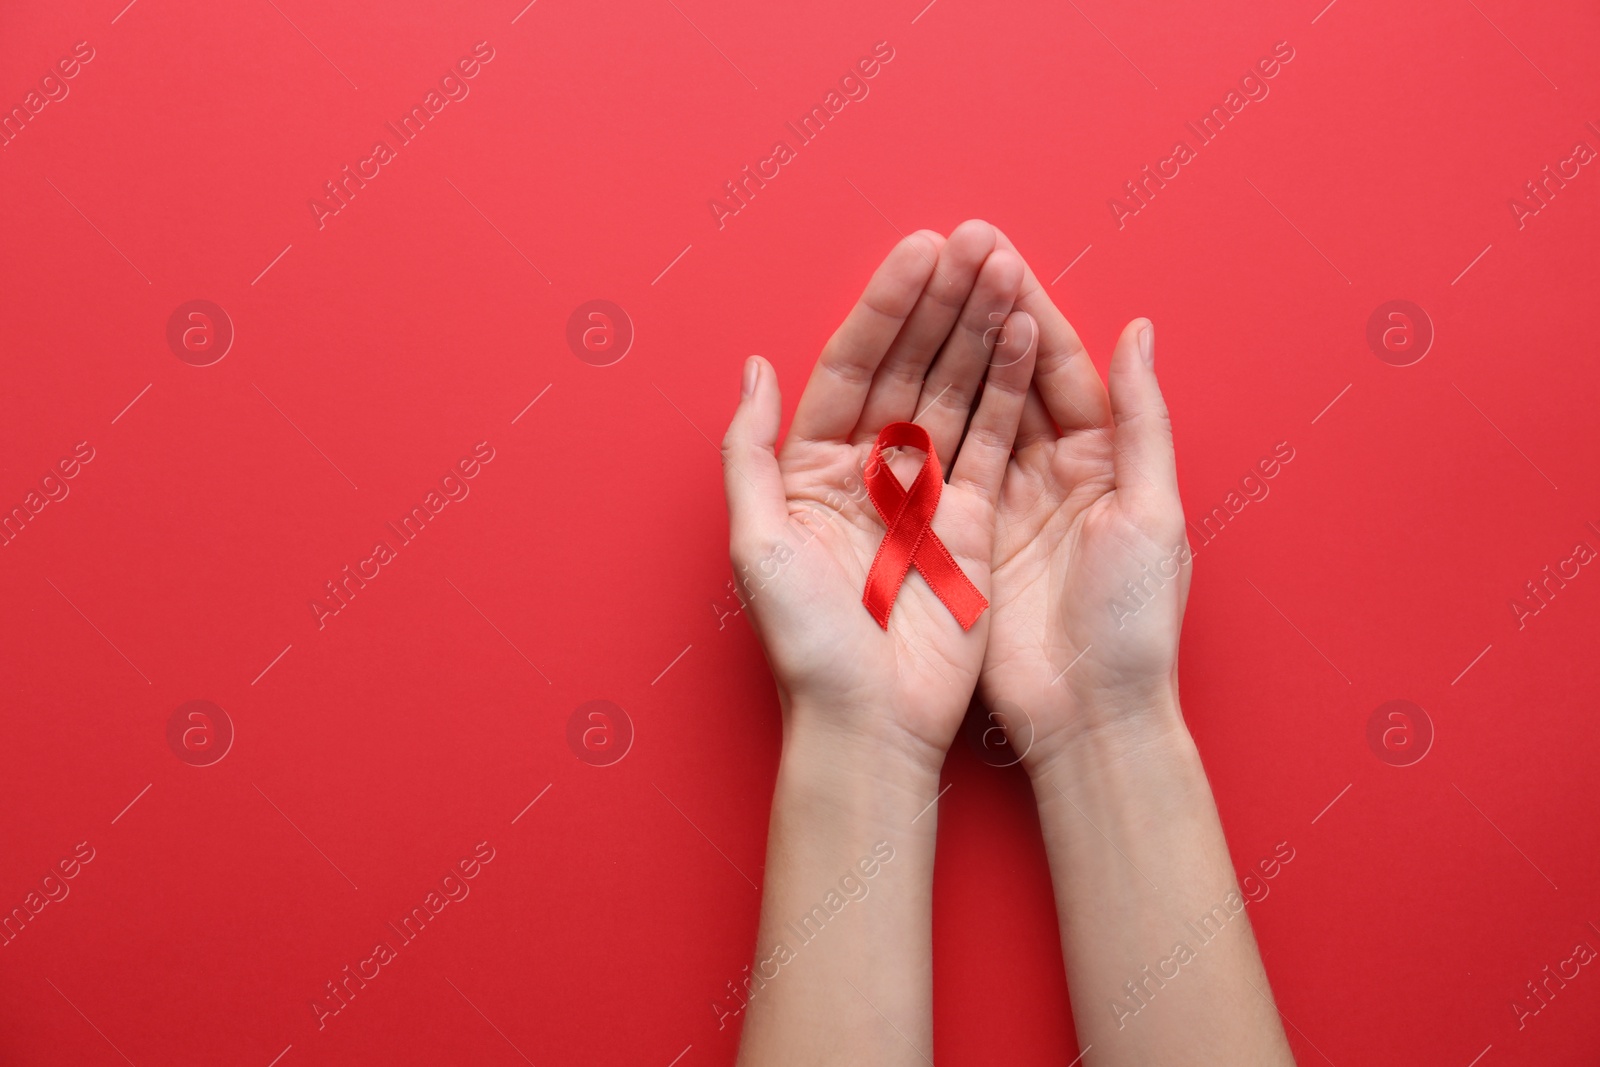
(989, 437)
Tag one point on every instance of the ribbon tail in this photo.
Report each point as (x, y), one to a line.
(949, 582)
(881, 591)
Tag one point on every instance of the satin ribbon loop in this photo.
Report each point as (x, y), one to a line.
(910, 540)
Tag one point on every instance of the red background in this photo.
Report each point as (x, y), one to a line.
(374, 352)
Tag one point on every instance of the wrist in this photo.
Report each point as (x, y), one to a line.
(1112, 730)
(858, 740)
(882, 778)
(1123, 783)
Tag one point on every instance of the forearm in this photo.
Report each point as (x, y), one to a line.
(1161, 962)
(843, 969)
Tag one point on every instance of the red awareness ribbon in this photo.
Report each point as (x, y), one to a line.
(910, 540)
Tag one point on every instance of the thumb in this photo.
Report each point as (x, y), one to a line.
(757, 507)
(1145, 467)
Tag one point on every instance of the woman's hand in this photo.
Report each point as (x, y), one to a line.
(1091, 571)
(1091, 563)
(868, 711)
(920, 346)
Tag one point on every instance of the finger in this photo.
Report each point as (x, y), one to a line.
(1035, 426)
(832, 402)
(952, 383)
(986, 449)
(899, 380)
(1145, 467)
(1068, 382)
(757, 507)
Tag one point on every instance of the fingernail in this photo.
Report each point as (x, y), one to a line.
(1147, 345)
(752, 373)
